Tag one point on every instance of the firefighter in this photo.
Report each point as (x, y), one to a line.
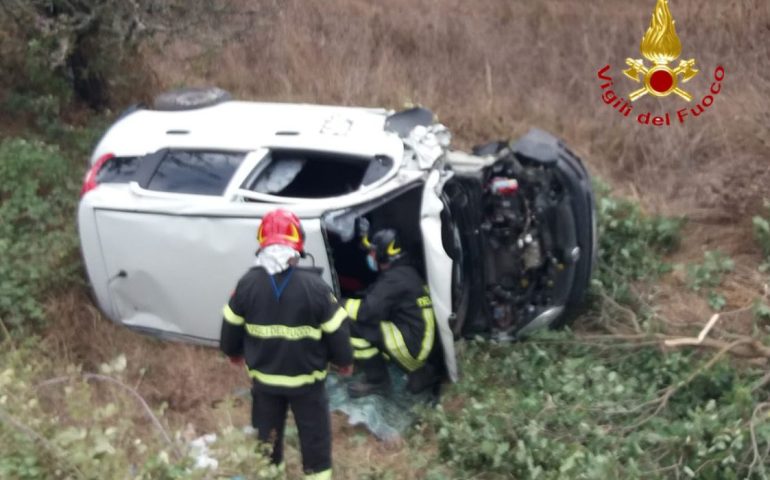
(393, 321)
(286, 324)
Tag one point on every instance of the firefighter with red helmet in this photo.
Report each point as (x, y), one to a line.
(393, 321)
(285, 322)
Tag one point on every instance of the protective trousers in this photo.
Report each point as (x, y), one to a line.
(369, 351)
(311, 413)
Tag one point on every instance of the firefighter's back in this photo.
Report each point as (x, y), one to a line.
(290, 320)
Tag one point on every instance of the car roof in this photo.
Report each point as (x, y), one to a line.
(241, 125)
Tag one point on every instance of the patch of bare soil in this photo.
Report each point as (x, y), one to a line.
(676, 303)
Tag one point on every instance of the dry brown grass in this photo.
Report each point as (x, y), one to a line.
(191, 380)
(494, 68)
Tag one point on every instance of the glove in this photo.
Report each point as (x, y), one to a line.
(238, 361)
(345, 371)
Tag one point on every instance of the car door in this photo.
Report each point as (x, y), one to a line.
(438, 264)
(171, 245)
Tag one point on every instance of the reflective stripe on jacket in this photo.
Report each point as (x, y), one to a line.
(399, 304)
(287, 328)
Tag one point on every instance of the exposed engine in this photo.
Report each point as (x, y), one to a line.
(522, 265)
(524, 235)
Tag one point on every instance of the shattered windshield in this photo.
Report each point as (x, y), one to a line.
(278, 175)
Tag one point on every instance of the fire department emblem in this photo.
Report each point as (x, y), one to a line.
(661, 46)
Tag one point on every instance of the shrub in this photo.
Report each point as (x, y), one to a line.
(554, 409)
(709, 275)
(68, 427)
(38, 194)
(631, 243)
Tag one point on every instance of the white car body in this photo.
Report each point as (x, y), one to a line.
(165, 262)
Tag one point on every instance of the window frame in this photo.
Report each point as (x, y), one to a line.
(151, 162)
(265, 160)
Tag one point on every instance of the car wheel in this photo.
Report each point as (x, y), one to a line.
(190, 98)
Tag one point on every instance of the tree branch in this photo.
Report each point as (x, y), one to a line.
(758, 459)
(662, 401)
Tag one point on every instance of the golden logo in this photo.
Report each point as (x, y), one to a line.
(661, 46)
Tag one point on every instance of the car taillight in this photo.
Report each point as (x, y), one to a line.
(89, 183)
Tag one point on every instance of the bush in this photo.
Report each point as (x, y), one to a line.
(75, 427)
(709, 275)
(65, 50)
(38, 245)
(631, 244)
(554, 409)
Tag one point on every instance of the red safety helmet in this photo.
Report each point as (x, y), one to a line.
(283, 228)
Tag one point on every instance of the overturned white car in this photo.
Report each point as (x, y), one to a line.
(170, 206)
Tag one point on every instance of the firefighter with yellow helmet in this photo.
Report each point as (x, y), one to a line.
(393, 321)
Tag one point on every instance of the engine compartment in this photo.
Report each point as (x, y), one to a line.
(525, 230)
(517, 224)
(522, 263)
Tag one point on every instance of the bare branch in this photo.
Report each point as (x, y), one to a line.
(662, 401)
(758, 458)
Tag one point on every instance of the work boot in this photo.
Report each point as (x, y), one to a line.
(365, 388)
(423, 378)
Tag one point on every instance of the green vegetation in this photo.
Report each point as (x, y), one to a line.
(91, 426)
(631, 244)
(711, 272)
(558, 406)
(40, 177)
(38, 189)
(707, 276)
(553, 408)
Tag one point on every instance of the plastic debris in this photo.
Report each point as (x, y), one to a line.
(199, 450)
(387, 417)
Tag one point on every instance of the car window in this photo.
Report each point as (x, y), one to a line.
(278, 175)
(308, 174)
(118, 170)
(201, 173)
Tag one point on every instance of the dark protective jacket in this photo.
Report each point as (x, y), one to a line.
(399, 305)
(287, 328)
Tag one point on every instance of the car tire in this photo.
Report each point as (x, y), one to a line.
(190, 99)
